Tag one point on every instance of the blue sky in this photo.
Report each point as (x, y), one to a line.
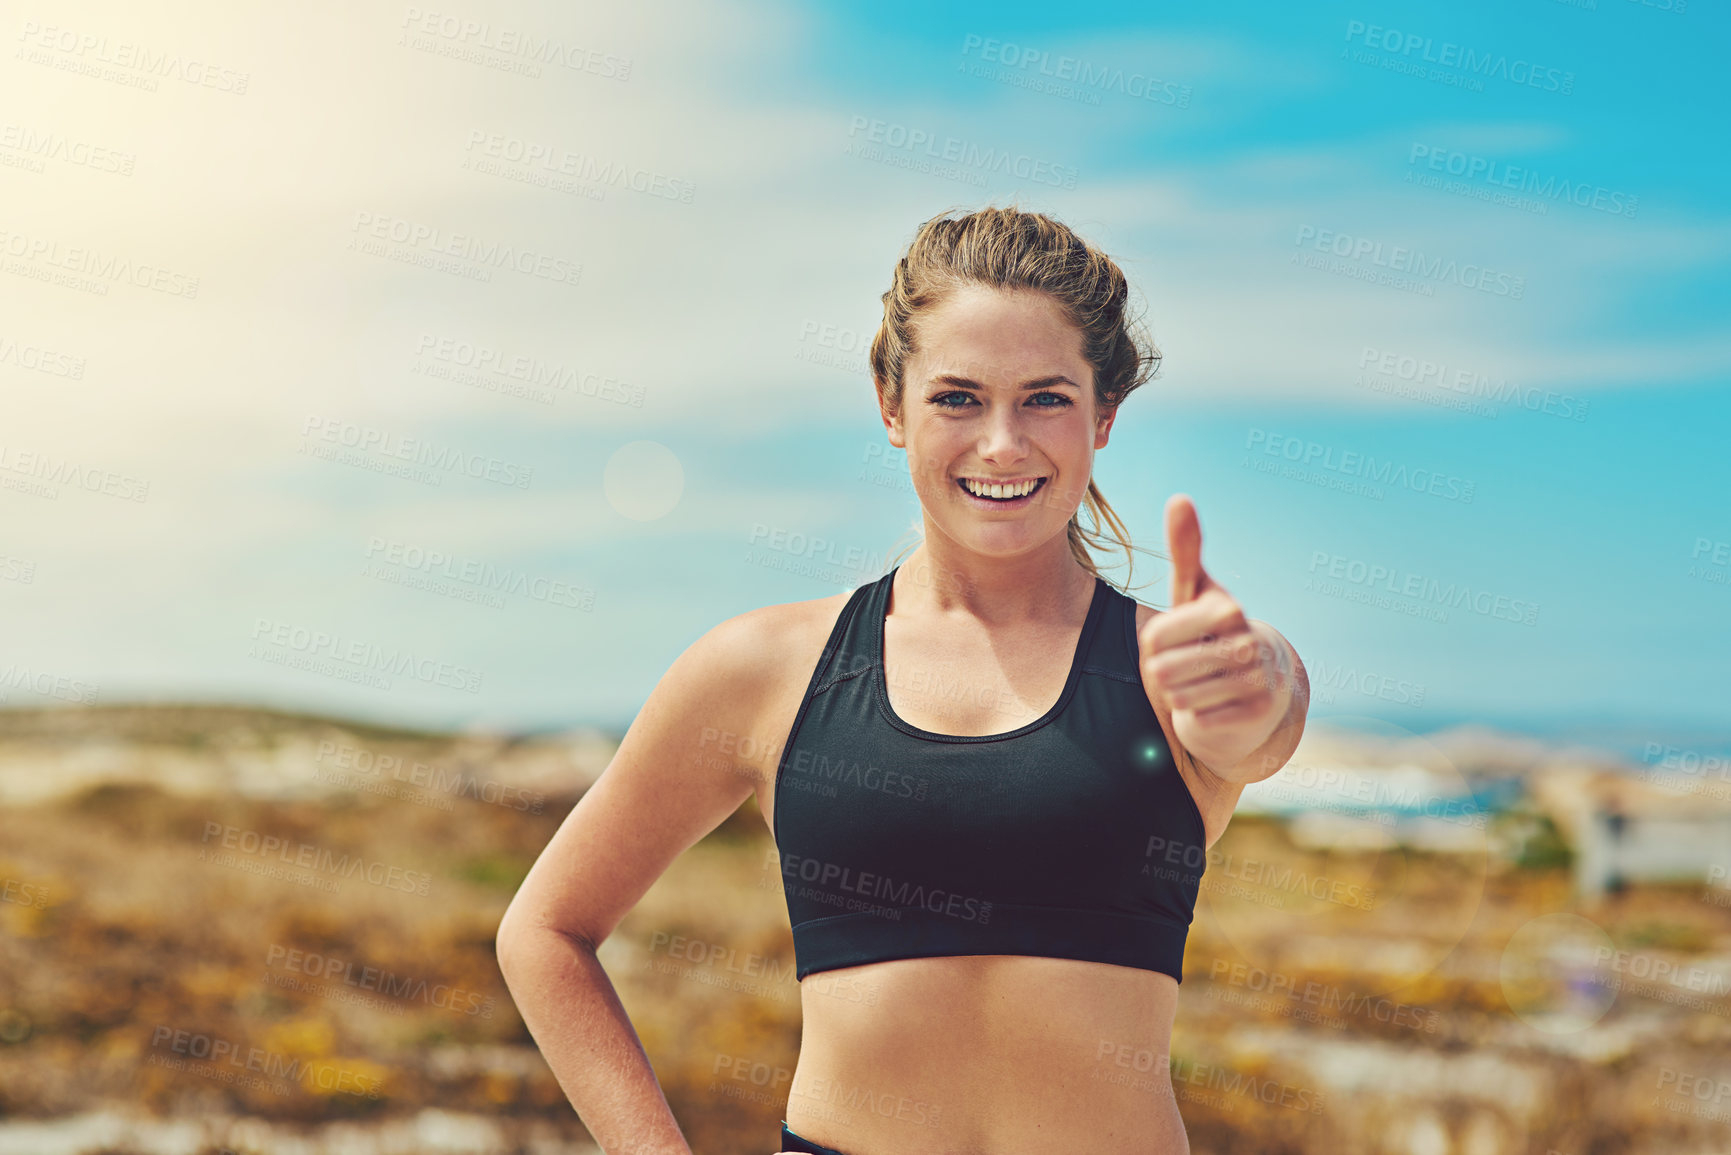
(1487, 245)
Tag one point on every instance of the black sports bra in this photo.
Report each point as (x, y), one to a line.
(1073, 836)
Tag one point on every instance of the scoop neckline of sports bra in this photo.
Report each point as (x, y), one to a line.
(880, 676)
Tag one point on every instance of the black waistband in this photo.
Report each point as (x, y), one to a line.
(792, 1142)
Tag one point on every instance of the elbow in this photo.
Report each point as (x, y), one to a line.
(514, 941)
(522, 937)
(508, 946)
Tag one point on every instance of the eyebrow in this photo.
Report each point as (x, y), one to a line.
(1037, 383)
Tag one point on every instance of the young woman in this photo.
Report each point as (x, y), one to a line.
(997, 776)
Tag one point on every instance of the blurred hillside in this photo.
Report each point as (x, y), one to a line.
(254, 753)
(233, 929)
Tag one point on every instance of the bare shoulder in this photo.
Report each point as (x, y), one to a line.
(1215, 798)
(705, 738)
(760, 663)
(780, 645)
(769, 650)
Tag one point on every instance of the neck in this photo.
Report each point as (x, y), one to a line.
(1045, 584)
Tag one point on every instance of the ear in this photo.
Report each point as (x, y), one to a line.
(1103, 427)
(892, 424)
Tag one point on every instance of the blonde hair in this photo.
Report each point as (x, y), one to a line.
(1010, 249)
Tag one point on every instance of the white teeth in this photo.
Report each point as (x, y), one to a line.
(999, 491)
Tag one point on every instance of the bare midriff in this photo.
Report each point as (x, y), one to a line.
(987, 1055)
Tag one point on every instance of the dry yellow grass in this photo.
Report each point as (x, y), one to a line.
(123, 943)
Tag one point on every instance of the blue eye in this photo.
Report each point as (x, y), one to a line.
(968, 399)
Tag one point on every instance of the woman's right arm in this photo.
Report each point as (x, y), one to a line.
(663, 791)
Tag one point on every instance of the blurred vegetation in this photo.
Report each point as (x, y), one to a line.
(1542, 846)
(129, 931)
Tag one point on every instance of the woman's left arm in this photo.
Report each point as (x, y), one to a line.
(1236, 689)
(1270, 728)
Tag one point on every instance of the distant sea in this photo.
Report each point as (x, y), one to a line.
(1637, 741)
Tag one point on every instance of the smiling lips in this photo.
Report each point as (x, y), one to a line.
(1000, 490)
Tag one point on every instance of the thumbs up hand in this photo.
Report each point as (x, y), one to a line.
(1226, 684)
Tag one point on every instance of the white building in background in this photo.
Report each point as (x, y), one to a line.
(1345, 807)
(1642, 826)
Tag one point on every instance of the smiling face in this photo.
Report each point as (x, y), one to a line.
(999, 419)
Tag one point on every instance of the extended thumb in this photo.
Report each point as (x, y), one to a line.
(1184, 543)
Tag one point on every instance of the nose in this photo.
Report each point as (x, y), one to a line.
(1003, 440)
